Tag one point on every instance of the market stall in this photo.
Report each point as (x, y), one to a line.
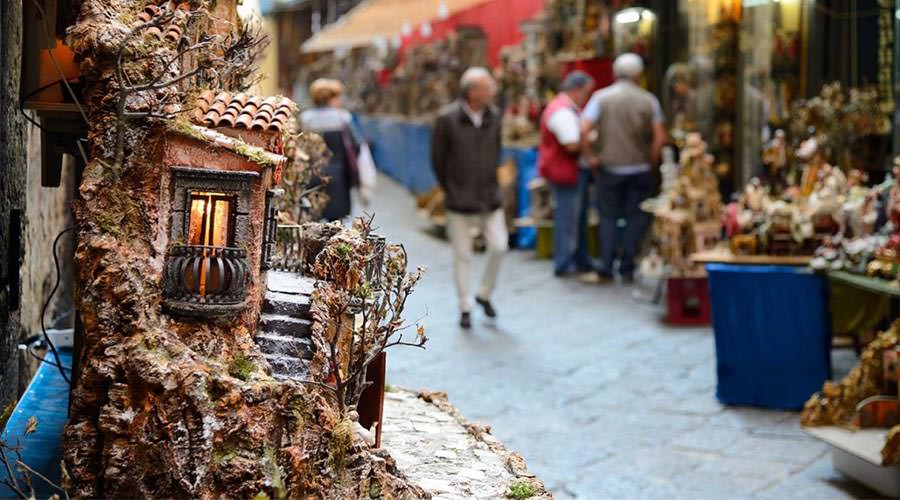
(859, 416)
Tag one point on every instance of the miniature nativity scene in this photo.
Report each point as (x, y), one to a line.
(231, 345)
(687, 215)
(811, 197)
(811, 202)
(811, 192)
(686, 219)
(859, 416)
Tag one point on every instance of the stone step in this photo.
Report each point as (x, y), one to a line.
(293, 283)
(296, 305)
(283, 378)
(272, 343)
(287, 366)
(280, 324)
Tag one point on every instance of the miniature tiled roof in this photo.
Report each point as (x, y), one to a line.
(171, 31)
(243, 111)
(261, 155)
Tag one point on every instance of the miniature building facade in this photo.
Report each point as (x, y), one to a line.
(222, 189)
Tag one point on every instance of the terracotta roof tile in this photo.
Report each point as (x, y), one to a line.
(240, 110)
(244, 121)
(170, 31)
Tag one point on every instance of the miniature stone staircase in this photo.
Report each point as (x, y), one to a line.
(285, 326)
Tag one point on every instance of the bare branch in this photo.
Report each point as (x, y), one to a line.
(40, 476)
(11, 481)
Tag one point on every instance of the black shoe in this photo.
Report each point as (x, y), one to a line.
(465, 321)
(489, 310)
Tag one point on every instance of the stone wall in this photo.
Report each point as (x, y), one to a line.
(12, 185)
(47, 213)
(44, 213)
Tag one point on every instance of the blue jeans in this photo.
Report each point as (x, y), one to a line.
(620, 197)
(570, 225)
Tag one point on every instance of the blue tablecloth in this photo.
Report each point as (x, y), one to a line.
(772, 334)
(47, 399)
(402, 150)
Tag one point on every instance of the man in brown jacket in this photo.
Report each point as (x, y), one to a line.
(465, 155)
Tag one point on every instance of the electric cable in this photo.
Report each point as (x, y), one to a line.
(49, 342)
(30, 95)
(30, 349)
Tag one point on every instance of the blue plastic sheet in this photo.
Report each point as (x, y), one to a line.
(526, 167)
(46, 399)
(772, 333)
(401, 149)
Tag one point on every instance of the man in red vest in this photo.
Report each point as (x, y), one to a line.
(558, 163)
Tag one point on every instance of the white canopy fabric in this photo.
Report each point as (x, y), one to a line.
(375, 20)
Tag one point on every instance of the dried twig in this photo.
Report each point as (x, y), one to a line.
(345, 292)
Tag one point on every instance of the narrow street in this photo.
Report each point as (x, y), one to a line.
(601, 398)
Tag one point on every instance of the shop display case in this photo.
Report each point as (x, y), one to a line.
(633, 31)
(579, 29)
(699, 90)
(772, 44)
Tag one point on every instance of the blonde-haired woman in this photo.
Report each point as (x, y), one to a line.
(329, 119)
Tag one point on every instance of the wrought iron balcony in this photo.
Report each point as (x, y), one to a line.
(296, 252)
(206, 280)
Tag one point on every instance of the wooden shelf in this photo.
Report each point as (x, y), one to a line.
(51, 107)
(581, 55)
(724, 256)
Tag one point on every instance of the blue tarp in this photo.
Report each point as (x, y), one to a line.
(46, 399)
(402, 150)
(526, 167)
(772, 333)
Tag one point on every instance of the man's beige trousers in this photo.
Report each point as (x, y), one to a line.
(462, 227)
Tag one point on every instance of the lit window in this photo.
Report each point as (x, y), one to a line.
(210, 223)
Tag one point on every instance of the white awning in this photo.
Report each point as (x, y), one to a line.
(375, 20)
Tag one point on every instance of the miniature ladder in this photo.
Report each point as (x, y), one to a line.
(285, 327)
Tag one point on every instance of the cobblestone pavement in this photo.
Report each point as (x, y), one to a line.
(601, 398)
(433, 446)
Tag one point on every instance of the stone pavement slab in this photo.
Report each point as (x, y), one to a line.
(446, 455)
(602, 399)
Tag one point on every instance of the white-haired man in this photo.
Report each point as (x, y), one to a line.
(465, 155)
(624, 125)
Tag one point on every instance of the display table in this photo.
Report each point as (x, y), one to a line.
(772, 330)
(859, 304)
(724, 256)
(858, 455)
(865, 283)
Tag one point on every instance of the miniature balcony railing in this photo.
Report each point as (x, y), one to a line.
(206, 280)
(296, 252)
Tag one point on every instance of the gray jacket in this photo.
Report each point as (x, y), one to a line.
(465, 159)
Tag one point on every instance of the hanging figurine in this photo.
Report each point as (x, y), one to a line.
(774, 157)
(812, 157)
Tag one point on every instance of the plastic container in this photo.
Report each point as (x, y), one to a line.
(687, 302)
